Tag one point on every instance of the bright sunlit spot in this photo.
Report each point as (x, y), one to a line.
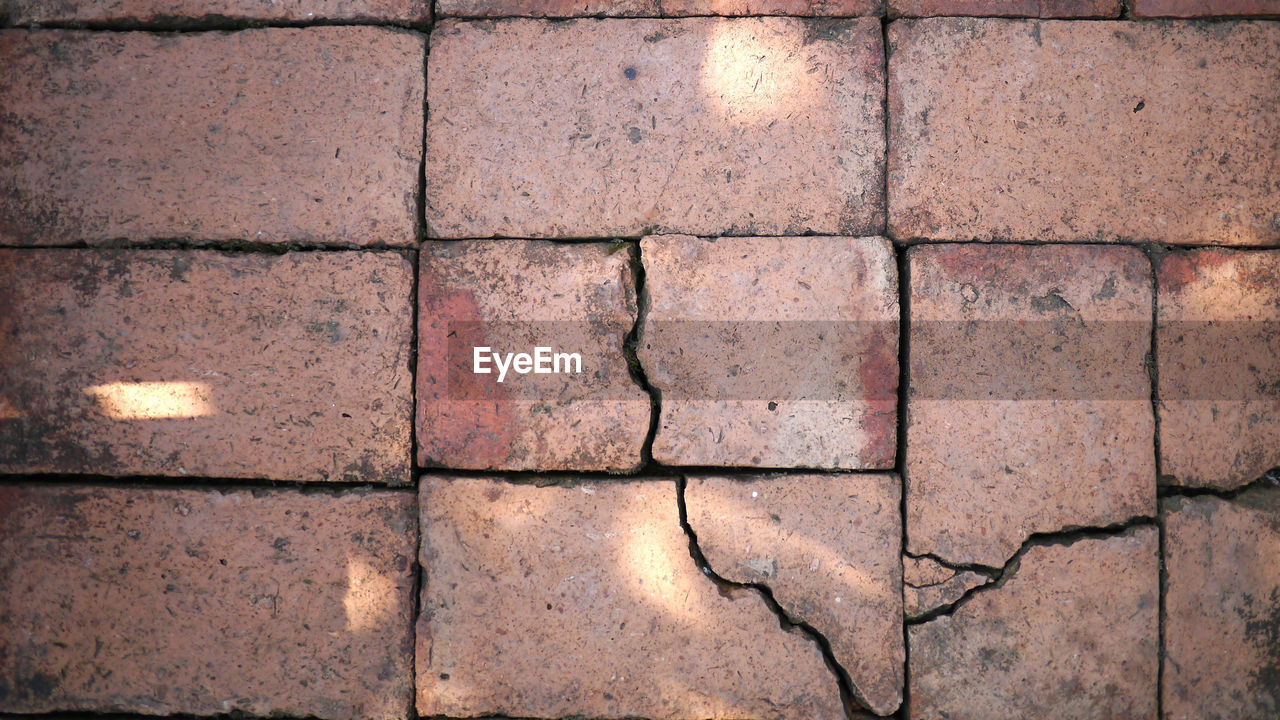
(754, 73)
(152, 400)
(658, 567)
(370, 598)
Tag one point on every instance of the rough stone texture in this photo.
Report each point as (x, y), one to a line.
(125, 362)
(151, 12)
(751, 126)
(1007, 8)
(1222, 604)
(656, 8)
(263, 135)
(1068, 131)
(828, 546)
(584, 600)
(1029, 408)
(1070, 633)
(929, 585)
(194, 601)
(513, 296)
(772, 352)
(1203, 8)
(1218, 351)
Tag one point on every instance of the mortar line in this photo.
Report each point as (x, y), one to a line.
(211, 24)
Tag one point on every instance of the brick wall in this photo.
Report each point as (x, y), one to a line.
(881, 359)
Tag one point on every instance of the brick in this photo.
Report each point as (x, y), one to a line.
(155, 12)
(656, 8)
(1070, 632)
(1061, 131)
(772, 352)
(1218, 357)
(1203, 8)
(584, 600)
(1007, 8)
(828, 548)
(304, 135)
(513, 296)
(928, 585)
(1029, 407)
(1222, 606)
(769, 126)
(152, 362)
(162, 601)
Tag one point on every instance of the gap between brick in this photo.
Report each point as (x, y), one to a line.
(1010, 568)
(854, 703)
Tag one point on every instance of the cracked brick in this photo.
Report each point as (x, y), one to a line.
(160, 602)
(1218, 356)
(23, 12)
(512, 297)
(199, 363)
(769, 126)
(584, 600)
(998, 131)
(828, 547)
(267, 135)
(1222, 606)
(1070, 631)
(772, 352)
(929, 586)
(1029, 408)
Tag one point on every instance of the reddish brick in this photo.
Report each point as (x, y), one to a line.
(128, 362)
(656, 8)
(263, 135)
(1069, 632)
(1204, 8)
(1222, 607)
(829, 549)
(150, 12)
(584, 601)
(707, 126)
(1067, 131)
(1218, 352)
(929, 585)
(513, 296)
(772, 352)
(195, 601)
(1029, 407)
(1007, 8)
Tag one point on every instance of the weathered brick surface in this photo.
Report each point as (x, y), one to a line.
(707, 126)
(195, 601)
(1218, 352)
(123, 362)
(929, 585)
(656, 8)
(1222, 604)
(22, 12)
(513, 296)
(262, 135)
(1070, 633)
(1029, 404)
(772, 352)
(828, 546)
(1062, 131)
(1007, 8)
(1203, 8)
(584, 600)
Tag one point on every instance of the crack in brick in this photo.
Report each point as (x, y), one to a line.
(1002, 575)
(854, 702)
(629, 347)
(1269, 479)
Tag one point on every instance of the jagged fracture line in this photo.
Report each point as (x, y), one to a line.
(1042, 539)
(630, 347)
(852, 699)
